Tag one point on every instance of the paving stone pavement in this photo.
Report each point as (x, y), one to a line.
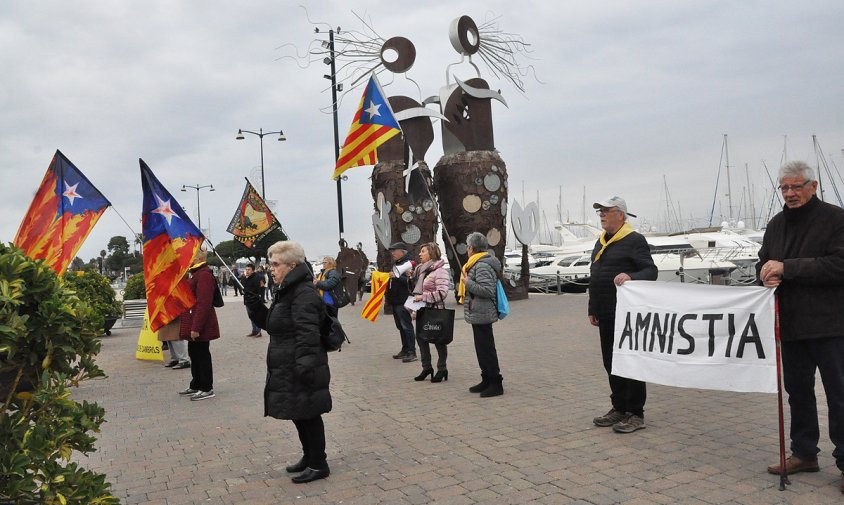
(392, 440)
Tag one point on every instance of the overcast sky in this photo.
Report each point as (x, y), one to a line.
(634, 94)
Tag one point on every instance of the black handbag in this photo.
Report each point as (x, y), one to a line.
(435, 326)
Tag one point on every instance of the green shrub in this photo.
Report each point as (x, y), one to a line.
(96, 291)
(135, 289)
(47, 345)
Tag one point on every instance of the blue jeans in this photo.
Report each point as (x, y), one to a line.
(404, 324)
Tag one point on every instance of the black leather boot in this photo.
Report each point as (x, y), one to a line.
(495, 388)
(297, 467)
(311, 474)
(481, 386)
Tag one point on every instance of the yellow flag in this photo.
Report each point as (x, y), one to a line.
(149, 348)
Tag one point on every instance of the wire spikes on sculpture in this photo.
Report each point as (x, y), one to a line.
(500, 51)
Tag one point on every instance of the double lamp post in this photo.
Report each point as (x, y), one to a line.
(260, 134)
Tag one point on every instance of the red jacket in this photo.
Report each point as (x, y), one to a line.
(201, 318)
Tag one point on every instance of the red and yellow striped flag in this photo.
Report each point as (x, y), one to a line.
(380, 281)
(374, 124)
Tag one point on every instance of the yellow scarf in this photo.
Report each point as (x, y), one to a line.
(461, 289)
(622, 232)
(321, 277)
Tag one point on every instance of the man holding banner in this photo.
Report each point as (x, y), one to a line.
(802, 255)
(621, 254)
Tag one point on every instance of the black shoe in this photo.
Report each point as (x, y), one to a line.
(481, 386)
(424, 374)
(179, 366)
(400, 355)
(442, 375)
(310, 475)
(495, 389)
(297, 467)
(408, 358)
(172, 363)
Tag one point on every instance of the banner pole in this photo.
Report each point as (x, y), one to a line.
(783, 470)
(225, 265)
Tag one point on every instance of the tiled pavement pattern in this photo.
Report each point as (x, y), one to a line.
(395, 441)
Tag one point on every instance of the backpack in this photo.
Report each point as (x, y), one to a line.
(340, 295)
(218, 297)
(331, 334)
(501, 301)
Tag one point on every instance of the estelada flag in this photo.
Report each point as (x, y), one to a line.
(171, 240)
(370, 311)
(253, 220)
(374, 124)
(64, 211)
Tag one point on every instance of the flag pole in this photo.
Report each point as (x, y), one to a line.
(783, 470)
(214, 250)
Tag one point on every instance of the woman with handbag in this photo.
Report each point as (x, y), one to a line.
(431, 288)
(297, 364)
(326, 281)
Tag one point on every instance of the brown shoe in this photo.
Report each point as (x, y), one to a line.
(793, 465)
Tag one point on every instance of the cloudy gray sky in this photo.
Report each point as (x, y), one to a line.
(634, 93)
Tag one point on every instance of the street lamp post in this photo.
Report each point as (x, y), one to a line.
(197, 188)
(260, 134)
(335, 87)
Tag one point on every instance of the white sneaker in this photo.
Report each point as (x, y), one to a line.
(202, 395)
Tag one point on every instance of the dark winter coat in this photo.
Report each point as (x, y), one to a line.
(201, 318)
(809, 240)
(630, 255)
(480, 306)
(252, 284)
(399, 287)
(297, 364)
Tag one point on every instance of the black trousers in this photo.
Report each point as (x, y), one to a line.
(800, 360)
(201, 370)
(627, 395)
(312, 437)
(485, 351)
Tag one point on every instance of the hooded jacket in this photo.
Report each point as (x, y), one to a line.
(297, 364)
(481, 303)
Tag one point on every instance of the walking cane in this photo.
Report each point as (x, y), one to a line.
(783, 471)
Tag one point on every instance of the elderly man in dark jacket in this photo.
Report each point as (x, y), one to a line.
(802, 256)
(297, 364)
(620, 255)
(398, 290)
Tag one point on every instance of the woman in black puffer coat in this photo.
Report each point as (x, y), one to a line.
(297, 364)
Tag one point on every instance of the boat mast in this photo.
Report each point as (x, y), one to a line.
(750, 198)
(818, 165)
(729, 185)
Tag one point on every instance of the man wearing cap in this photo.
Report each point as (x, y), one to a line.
(621, 254)
(397, 292)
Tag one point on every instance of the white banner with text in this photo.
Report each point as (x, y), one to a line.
(696, 336)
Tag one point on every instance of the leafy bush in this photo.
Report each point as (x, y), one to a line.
(135, 289)
(47, 345)
(96, 291)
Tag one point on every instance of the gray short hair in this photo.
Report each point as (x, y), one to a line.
(287, 251)
(477, 241)
(797, 169)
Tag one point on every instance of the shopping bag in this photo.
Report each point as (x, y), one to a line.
(435, 326)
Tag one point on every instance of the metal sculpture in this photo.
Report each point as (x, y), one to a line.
(352, 264)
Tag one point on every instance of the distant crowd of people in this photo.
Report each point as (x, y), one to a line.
(802, 257)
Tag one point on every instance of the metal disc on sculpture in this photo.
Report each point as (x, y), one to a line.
(494, 168)
(411, 208)
(471, 204)
(493, 236)
(493, 199)
(461, 248)
(407, 217)
(453, 239)
(412, 234)
(419, 210)
(398, 55)
(503, 207)
(427, 204)
(492, 182)
(463, 35)
(479, 181)
(485, 205)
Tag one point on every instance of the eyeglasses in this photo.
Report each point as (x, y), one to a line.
(793, 187)
(275, 264)
(604, 211)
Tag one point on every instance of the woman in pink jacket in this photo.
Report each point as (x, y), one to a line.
(432, 286)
